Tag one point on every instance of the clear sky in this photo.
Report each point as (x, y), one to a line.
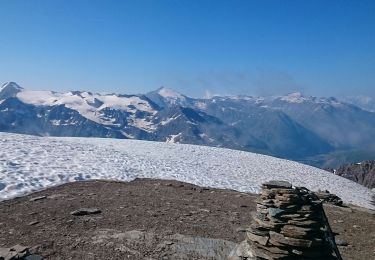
(259, 47)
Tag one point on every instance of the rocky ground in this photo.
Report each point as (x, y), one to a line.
(151, 219)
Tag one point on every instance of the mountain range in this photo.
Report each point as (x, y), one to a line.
(323, 132)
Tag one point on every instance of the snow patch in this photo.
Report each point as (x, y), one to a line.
(173, 138)
(168, 120)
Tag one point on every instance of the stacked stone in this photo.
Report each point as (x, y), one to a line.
(289, 224)
(330, 198)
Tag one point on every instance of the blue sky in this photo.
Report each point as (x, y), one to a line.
(322, 48)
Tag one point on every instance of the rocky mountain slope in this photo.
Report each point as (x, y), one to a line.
(295, 127)
(363, 173)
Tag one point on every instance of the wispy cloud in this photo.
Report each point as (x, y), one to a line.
(258, 82)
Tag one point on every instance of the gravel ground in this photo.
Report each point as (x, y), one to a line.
(152, 211)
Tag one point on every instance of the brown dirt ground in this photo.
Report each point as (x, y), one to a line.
(158, 206)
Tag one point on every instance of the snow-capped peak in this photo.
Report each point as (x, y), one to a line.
(295, 97)
(169, 93)
(11, 84)
(9, 89)
(163, 96)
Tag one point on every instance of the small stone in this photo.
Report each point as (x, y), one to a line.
(38, 198)
(290, 216)
(297, 252)
(85, 211)
(341, 242)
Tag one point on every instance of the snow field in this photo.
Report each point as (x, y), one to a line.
(30, 163)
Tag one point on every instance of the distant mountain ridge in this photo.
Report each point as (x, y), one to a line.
(294, 126)
(364, 102)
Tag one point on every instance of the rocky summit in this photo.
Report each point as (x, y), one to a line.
(155, 219)
(289, 223)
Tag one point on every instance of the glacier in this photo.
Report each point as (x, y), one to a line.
(31, 163)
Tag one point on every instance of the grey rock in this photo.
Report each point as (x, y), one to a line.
(38, 198)
(85, 211)
(278, 184)
(341, 242)
(262, 240)
(174, 246)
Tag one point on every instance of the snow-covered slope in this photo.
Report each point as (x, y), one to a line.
(29, 163)
(92, 106)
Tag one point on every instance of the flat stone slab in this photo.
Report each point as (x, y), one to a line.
(38, 198)
(175, 246)
(294, 242)
(298, 232)
(278, 184)
(263, 240)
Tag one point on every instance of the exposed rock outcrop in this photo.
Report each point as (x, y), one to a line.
(363, 173)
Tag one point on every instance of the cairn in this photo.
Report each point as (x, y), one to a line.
(289, 223)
